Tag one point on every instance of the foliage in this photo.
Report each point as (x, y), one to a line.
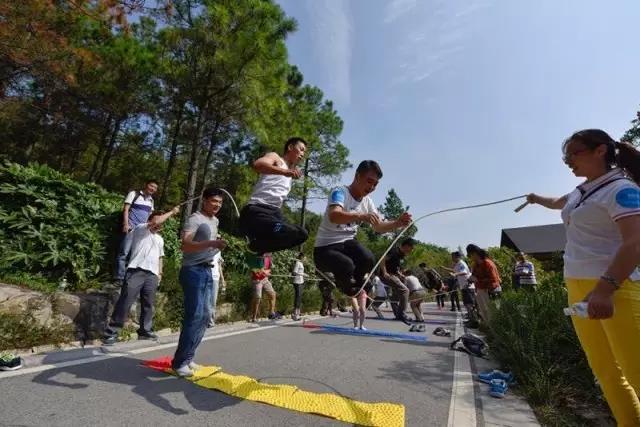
(529, 334)
(22, 330)
(52, 226)
(192, 91)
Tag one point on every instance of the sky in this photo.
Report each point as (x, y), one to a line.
(468, 101)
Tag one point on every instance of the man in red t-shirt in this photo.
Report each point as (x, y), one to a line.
(260, 281)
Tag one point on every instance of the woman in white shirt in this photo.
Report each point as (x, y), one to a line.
(602, 219)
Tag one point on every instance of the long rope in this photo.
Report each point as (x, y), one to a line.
(404, 230)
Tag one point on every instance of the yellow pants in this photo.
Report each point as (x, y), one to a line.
(612, 347)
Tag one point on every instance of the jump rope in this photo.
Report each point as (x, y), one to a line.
(393, 243)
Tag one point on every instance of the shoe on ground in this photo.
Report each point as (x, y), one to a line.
(184, 371)
(421, 328)
(362, 328)
(295, 317)
(275, 316)
(10, 362)
(147, 336)
(488, 376)
(110, 340)
(252, 320)
(498, 388)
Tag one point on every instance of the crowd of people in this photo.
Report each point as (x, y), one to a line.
(602, 218)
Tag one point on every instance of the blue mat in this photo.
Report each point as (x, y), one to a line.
(374, 333)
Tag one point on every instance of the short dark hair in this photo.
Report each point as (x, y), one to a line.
(408, 241)
(456, 254)
(151, 181)
(212, 192)
(293, 141)
(300, 255)
(369, 165)
(475, 249)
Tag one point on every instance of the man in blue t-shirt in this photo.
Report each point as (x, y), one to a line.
(137, 207)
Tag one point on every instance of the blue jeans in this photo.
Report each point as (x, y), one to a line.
(213, 301)
(196, 285)
(123, 254)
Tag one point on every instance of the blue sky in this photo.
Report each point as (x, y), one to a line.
(468, 101)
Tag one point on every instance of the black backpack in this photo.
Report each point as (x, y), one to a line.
(472, 344)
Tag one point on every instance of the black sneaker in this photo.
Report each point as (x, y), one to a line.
(9, 362)
(147, 336)
(275, 316)
(109, 340)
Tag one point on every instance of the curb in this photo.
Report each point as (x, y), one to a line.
(82, 344)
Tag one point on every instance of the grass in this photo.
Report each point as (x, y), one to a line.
(529, 335)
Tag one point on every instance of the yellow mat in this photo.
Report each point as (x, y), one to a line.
(291, 397)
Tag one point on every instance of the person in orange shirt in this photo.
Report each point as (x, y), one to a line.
(485, 276)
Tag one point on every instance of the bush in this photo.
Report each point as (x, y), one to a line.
(22, 331)
(529, 334)
(52, 227)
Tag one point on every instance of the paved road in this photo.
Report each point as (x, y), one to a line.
(117, 391)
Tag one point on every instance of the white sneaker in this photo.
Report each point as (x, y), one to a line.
(362, 328)
(194, 366)
(184, 371)
(355, 328)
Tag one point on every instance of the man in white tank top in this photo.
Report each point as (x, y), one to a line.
(261, 219)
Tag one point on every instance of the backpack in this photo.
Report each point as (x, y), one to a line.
(472, 344)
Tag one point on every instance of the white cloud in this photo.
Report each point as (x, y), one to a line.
(398, 8)
(434, 33)
(331, 35)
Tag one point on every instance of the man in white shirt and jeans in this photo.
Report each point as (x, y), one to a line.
(143, 275)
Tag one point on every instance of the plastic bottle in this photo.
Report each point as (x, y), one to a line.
(63, 284)
(578, 309)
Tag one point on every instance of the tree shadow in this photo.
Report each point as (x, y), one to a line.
(421, 375)
(150, 384)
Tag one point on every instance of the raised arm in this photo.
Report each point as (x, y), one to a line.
(268, 165)
(548, 202)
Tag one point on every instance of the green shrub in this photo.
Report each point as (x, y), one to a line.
(529, 334)
(52, 226)
(22, 331)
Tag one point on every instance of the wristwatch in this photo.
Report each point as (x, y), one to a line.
(610, 280)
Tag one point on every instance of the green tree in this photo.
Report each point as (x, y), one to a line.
(393, 208)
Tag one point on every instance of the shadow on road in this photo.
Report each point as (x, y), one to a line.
(145, 382)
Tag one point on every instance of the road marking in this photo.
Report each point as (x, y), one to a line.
(99, 355)
(462, 409)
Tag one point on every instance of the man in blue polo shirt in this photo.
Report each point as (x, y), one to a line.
(138, 205)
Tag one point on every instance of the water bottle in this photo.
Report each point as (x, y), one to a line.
(63, 284)
(578, 309)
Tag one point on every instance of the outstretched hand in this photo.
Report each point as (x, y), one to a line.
(405, 219)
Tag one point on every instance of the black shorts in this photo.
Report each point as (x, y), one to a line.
(468, 296)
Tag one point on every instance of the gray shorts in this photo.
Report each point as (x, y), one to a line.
(259, 285)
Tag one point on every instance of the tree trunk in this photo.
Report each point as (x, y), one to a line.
(194, 164)
(213, 141)
(305, 190)
(173, 155)
(103, 144)
(109, 150)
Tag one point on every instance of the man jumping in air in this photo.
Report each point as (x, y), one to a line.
(336, 249)
(261, 219)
